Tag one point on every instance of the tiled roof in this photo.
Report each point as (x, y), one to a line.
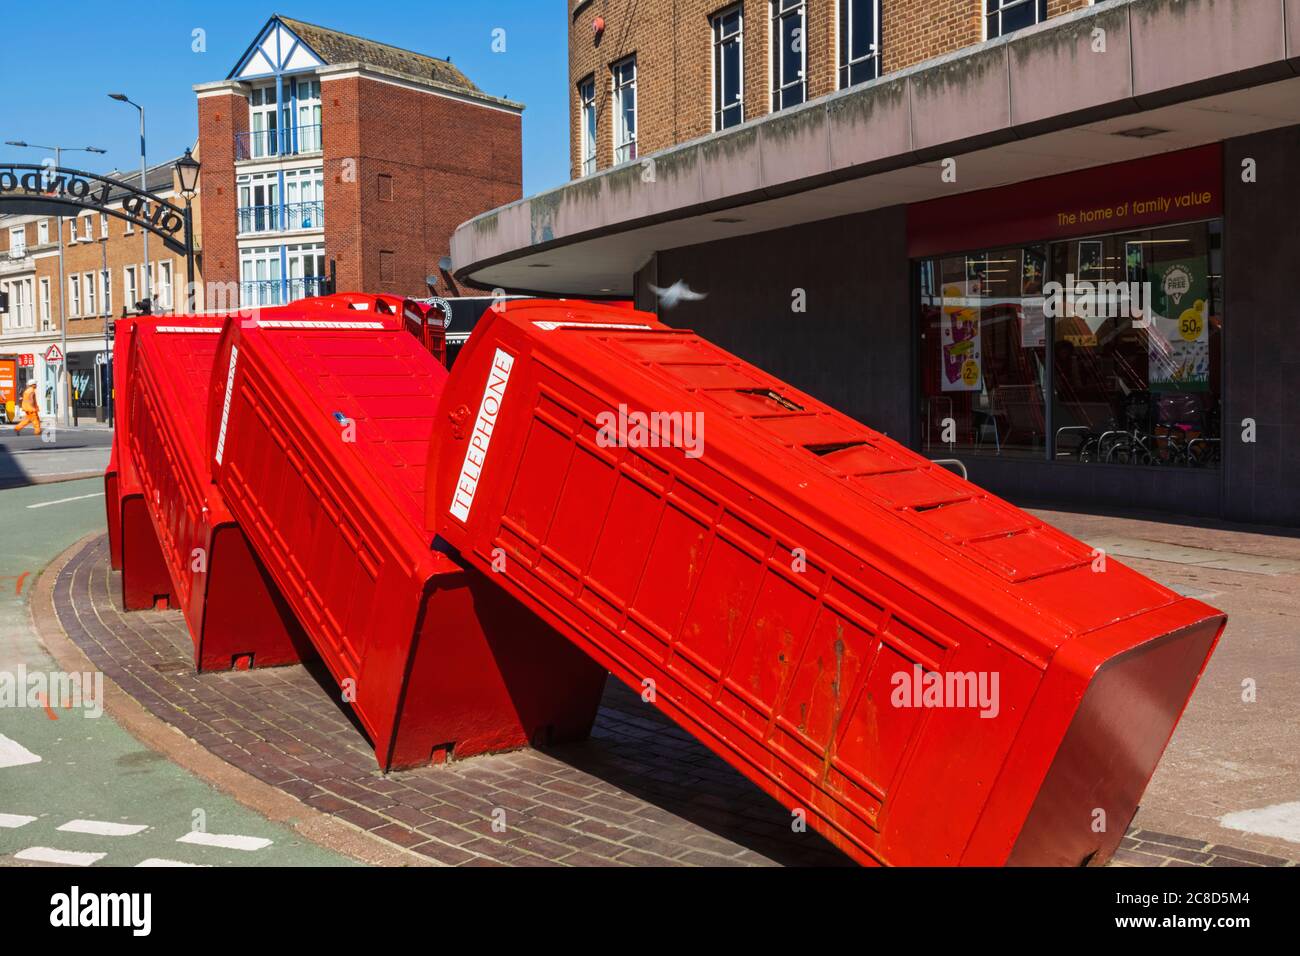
(335, 47)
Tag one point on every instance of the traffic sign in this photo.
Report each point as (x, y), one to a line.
(53, 355)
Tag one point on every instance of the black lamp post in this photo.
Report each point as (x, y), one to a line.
(187, 171)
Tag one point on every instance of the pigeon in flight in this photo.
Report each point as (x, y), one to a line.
(679, 291)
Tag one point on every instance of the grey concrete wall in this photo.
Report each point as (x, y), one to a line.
(1261, 481)
(853, 346)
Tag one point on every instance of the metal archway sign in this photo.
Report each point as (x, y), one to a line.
(27, 189)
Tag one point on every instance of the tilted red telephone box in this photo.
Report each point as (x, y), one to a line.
(235, 615)
(932, 675)
(318, 433)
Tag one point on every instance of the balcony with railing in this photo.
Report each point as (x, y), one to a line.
(280, 291)
(287, 217)
(271, 143)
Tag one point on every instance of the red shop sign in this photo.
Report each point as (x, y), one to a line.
(1172, 187)
(26, 359)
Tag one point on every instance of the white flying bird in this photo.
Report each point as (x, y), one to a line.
(679, 291)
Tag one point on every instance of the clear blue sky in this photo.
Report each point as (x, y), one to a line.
(62, 61)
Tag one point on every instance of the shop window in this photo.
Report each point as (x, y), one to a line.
(984, 349)
(1134, 321)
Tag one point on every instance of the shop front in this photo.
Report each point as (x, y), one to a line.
(1071, 332)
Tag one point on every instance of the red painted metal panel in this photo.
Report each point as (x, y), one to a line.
(233, 611)
(317, 436)
(860, 632)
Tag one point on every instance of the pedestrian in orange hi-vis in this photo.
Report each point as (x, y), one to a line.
(31, 413)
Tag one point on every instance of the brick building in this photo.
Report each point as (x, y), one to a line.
(104, 272)
(1052, 239)
(324, 151)
(708, 65)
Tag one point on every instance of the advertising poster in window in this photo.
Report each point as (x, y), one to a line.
(959, 338)
(1033, 320)
(1178, 340)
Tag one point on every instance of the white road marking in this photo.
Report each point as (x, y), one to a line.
(44, 854)
(1281, 820)
(64, 501)
(12, 821)
(103, 827)
(14, 754)
(227, 841)
(159, 861)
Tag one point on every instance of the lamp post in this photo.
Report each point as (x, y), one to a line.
(187, 172)
(144, 188)
(63, 310)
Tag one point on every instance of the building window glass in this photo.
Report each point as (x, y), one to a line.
(45, 304)
(163, 284)
(624, 75)
(259, 274)
(587, 109)
(304, 198)
(263, 123)
(72, 229)
(789, 53)
(103, 226)
(106, 281)
(259, 202)
(43, 232)
(859, 41)
(1006, 16)
(1102, 349)
(90, 293)
(130, 291)
(17, 242)
(74, 295)
(306, 270)
(309, 128)
(728, 69)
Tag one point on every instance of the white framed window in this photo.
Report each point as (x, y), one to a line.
(263, 122)
(45, 304)
(88, 229)
(308, 104)
(859, 41)
(259, 202)
(1006, 16)
(20, 314)
(17, 242)
(130, 228)
(728, 68)
(305, 265)
(259, 276)
(106, 286)
(624, 79)
(587, 124)
(103, 225)
(130, 287)
(72, 229)
(789, 53)
(304, 198)
(43, 232)
(74, 295)
(90, 284)
(162, 280)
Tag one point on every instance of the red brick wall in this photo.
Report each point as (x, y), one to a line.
(673, 41)
(445, 161)
(221, 119)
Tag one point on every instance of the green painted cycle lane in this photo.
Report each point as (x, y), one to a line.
(76, 788)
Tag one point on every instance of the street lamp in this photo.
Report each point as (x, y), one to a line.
(187, 171)
(63, 311)
(144, 188)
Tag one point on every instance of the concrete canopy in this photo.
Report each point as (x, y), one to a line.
(1111, 82)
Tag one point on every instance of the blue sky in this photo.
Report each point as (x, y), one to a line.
(61, 62)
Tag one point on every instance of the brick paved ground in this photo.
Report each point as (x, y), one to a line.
(640, 792)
